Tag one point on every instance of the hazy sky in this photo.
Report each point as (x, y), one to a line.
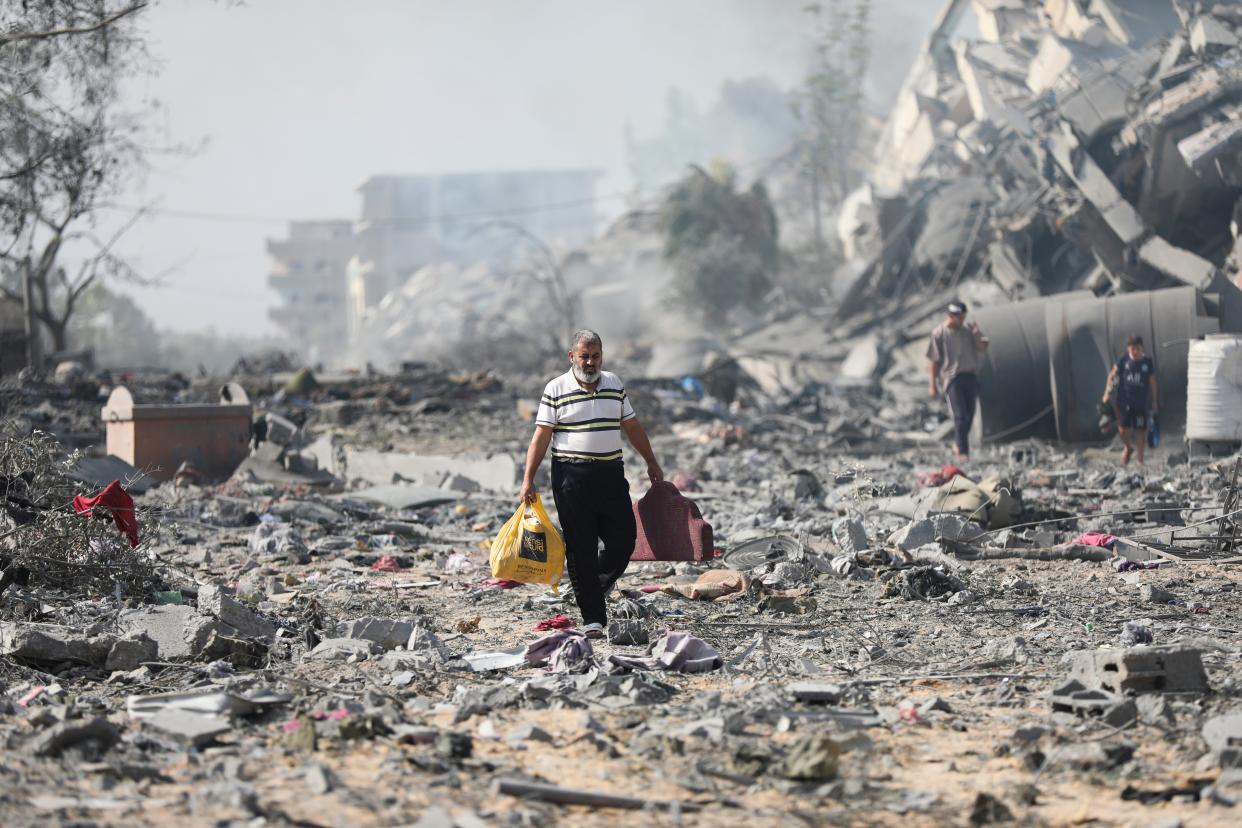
(297, 101)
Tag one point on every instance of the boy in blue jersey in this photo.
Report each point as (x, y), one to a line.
(1135, 377)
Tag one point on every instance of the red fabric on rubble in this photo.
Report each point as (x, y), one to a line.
(939, 478)
(118, 503)
(670, 527)
(556, 622)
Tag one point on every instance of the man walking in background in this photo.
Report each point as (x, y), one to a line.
(581, 415)
(1135, 378)
(953, 354)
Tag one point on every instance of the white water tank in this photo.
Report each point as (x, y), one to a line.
(1214, 389)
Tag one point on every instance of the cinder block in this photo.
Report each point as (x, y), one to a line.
(1141, 670)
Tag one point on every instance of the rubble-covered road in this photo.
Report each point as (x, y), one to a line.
(886, 642)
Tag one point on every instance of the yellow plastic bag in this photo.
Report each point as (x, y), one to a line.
(528, 548)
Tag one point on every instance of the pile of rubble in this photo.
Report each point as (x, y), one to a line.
(865, 635)
(1072, 146)
(1072, 170)
(879, 637)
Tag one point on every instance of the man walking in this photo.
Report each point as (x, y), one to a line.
(581, 415)
(1135, 376)
(953, 356)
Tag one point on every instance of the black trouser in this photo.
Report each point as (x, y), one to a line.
(593, 502)
(963, 393)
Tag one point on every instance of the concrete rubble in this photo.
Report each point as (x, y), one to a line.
(1042, 637)
(856, 621)
(1068, 168)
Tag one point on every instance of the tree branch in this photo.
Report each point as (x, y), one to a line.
(71, 298)
(74, 30)
(105, 248)
(26, 170)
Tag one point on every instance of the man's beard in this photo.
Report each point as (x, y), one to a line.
(583, 377)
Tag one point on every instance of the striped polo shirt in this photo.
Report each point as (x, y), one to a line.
(586, 425)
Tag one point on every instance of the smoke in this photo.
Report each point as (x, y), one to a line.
(314, 98)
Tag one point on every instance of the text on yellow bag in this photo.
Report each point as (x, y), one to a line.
(528, 548)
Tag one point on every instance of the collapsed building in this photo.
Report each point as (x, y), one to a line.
(1077, 159)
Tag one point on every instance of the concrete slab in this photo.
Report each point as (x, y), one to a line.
(406, 495)
(52, 643)
(389, 633)
(1203, 148)
(1224, 737)
(188, 729)
(214, 601)
(1208, 35)
(129, 653)
(850, 534)
(1181, 264)
(1140, 670)
(342, 649)
(496, 472)
(179, 630)
(1095, 185)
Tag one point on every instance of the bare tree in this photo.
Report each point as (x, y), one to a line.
(66, 146)
(543, 267)
(830, 102)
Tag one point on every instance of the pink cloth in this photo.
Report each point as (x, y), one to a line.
(678, 652)
(1096, 539)
(386, 563)
(559, 646)
(35, 692)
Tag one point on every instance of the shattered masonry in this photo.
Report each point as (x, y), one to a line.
(826, 621)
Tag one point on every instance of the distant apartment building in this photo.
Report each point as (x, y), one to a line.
(409, 221)
(329, 274)
(309, 272)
